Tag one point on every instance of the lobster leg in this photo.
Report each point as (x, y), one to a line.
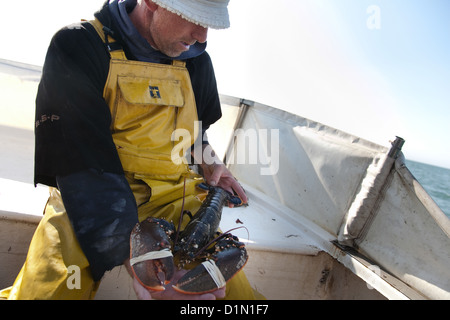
(229, 258)
(150, 256)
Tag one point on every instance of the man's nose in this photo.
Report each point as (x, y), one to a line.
(200, 34)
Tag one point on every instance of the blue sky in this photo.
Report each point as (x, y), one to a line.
(328, 65)
(315, 58)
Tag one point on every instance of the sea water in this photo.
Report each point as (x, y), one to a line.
(435, 181)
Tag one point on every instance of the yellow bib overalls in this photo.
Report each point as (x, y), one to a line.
(147, 102)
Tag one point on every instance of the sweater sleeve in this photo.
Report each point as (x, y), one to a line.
(72, 128)
(75, 150)
(102, 210)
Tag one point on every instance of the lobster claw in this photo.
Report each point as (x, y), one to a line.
(230, 257)
(150, 256)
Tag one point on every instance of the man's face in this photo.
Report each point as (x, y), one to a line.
(173, 35)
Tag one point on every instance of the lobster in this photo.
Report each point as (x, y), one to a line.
(153, 261)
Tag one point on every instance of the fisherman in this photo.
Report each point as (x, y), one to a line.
(112, 93)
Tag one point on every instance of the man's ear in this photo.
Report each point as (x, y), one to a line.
(151, 5)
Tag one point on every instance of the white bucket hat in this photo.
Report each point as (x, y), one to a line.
(206, 13)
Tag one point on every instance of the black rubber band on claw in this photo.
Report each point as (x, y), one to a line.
(235, 200)
(204, 186)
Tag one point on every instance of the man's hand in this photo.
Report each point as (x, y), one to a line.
(171, 294)
(217, 174)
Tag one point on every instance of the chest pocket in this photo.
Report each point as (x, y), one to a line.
(145, 113)
(158, 92)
